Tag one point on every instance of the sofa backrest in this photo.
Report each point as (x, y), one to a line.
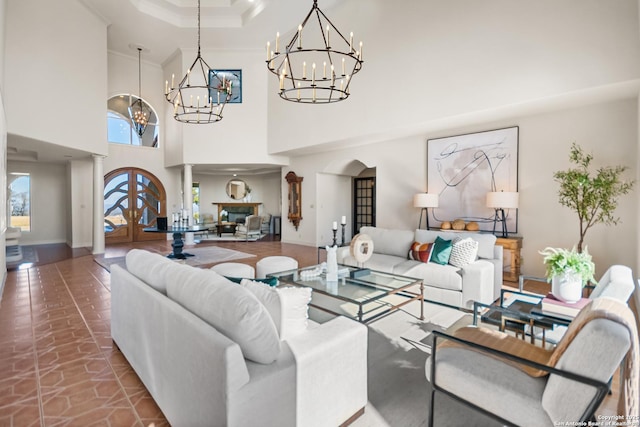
(617, 282)
(486, 242)
(149, 267)
(388, 241)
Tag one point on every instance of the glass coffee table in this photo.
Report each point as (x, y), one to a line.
(368, 296)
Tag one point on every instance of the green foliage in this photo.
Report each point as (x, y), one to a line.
(558, 260)
(593, 196)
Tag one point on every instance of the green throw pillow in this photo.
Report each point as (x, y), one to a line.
(441, 251)
(271, 281)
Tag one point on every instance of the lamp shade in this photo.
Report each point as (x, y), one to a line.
(502, 199)
(425, 200)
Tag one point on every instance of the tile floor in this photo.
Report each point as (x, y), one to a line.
(58, 364)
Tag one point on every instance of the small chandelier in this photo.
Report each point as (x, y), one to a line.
(139, 111)
(201, 95)
(319, 69)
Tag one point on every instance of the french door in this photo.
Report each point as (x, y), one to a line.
(133, 199)
(364, 203)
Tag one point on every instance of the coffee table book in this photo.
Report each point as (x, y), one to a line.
(553, 305)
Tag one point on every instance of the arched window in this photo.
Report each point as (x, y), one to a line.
(119, 128)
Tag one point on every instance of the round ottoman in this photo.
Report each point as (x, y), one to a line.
(235, 269)
(274, 264)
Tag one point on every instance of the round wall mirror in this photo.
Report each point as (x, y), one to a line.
(237, 189)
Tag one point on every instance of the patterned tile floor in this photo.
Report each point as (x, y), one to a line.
(58, 364)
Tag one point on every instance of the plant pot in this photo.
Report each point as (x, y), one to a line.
(567, 287)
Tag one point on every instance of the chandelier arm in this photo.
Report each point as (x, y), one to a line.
(334, 28)
(294, 39)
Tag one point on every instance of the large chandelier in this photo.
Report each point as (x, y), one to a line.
(201, 95)
(318, 63)
(139, 111)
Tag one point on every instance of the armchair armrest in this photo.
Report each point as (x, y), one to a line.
(331, 370)
(484, 351)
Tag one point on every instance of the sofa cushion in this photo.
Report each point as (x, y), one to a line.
(231, 309)
(486, 241)
(150, 267)
(420, 251)
(287, 306)
(433, 275)
(389, 242)
(463, 252)
(378, 262)
(441, 251)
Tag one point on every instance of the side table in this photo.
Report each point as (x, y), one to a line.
(513, 245)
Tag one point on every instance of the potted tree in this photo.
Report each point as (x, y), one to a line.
(592, 195)
(568, 271)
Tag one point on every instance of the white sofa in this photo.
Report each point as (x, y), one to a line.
(480, 280)
(201, 376)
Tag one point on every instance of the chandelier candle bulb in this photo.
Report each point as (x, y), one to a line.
(324, 70)
(360, 53)
(166, 87)
(313, 74)
(188, 79)
(268, 51)
(298, 91)
(328, 42)
(281, 81)
(304, 70)
(173, 77)
(278, 42)
(299, 36)
(343, 66)
(351, 42)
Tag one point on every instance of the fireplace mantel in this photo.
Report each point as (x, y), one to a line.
(225, 205)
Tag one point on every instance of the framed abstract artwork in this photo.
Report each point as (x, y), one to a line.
(228, 76)
(462, 169)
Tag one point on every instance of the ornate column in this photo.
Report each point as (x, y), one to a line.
(98, 204)
(187, 196)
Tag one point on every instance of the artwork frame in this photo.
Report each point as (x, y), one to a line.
(232, 75)
(462, 169)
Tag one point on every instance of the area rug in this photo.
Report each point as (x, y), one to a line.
(202, 256)
(212, 237)
(398, 391)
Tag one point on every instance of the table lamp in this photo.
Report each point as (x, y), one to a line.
(424, 201)
(501, 200)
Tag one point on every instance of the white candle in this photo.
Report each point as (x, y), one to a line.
(360, 51)
(278, 42)
(298, 91)
(304, 70)
(333, 76)
(351, 42)
(188, 72)
(313, 74)
(268, 51)
(281, 81)
(335, 225)
(166, 87)
(324, 70)
(173, 76)
(343, 66)
(343, 220)
(328, 42)
(299, 36)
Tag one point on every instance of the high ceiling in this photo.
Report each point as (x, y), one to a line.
(163, 26)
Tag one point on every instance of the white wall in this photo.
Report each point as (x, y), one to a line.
(429, 60)
(56, 73)
(241, 137)
(49, 213)
(80, 202)
(607, 130)
(333, 201)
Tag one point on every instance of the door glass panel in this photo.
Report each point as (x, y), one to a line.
(116, 202)
(147, 200)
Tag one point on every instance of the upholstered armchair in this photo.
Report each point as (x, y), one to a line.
(266, 224)
(518, 383)
(250, 228)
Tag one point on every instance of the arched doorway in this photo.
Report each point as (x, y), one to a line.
(133, 199)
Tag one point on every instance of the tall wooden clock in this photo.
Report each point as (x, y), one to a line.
(295, 198)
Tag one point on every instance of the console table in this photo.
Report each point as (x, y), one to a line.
(513, 245)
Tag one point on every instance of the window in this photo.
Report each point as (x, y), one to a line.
(20, 200)
(119, 129)
(195, 193)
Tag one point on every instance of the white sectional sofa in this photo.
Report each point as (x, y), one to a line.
(240, 372)
(480, 280)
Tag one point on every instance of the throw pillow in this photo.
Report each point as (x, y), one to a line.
(463, 252)
(231, 309)
(271, 281)
(287, 306)
(420, 251)
(441, 251)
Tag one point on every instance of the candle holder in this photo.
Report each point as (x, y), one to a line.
(343, 227)
(335, 242)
